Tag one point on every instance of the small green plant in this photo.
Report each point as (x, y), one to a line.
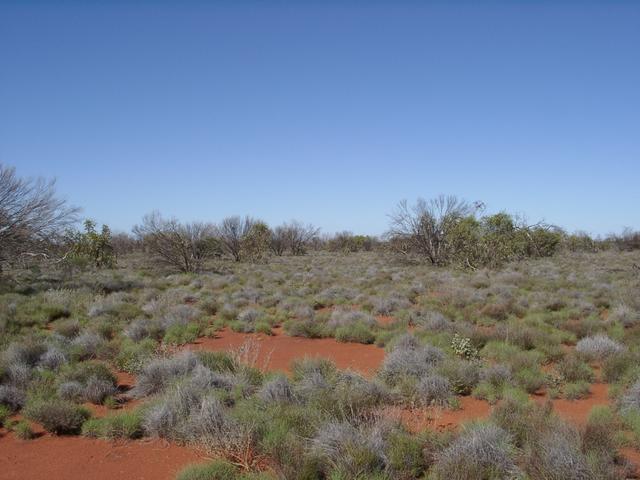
(263, 327)
(4, 414)
(120, 425)
(576, 390)
(23, 430)
(181, 334)
(217, 470)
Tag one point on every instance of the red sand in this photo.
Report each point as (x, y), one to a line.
(577, 411)
(419, 419)
(77, 458)
(276, 352)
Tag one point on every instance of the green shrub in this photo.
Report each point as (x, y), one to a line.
(4, 414)
(531, 379)
(263, 327)
(355, 332)
(133, 356)
(573, 369)
(179, 334)
(57, 416)
(218, 361)
(23, 430)
(304, 328)
(404, 454)
(600, 432)
(576, 390)
(217, 470)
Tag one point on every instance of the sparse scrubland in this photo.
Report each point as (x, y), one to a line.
(527, 320)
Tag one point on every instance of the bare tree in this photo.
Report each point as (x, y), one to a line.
(278, 242)
(298, 236)
(424, 228)
(32, 217)
(182, 246)
(232, 231)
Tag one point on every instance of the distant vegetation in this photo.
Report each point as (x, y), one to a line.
(37, 227)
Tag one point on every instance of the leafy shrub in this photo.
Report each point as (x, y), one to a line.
(57, 416)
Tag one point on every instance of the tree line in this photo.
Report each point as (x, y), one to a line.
(35, 224)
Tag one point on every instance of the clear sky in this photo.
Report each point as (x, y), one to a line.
(328, 112)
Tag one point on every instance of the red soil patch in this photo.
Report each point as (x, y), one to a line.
(577, 411)
(634, 457)
(125, 380)
(78, 458)
(385, 320)
(419, 419)
(276, 352)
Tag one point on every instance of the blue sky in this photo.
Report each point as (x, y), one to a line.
(328, 112)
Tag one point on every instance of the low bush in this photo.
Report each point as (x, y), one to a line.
(23, 430)
(463, 375)
(576, 390)
(356, 332)
(180, 334)
(598, 347)
(409, 358)
(12, 397)
(158, 374)
(572, 369)
(434, 389)
(277, 390)
(481, 451)
(120, 425)
(57, 416)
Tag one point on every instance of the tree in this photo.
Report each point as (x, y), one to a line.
(32, 217)
(298, 236)
(182, 246)
(278, 240)
(232, 231)
(257, 241)
(425, 227)
(93, 247)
